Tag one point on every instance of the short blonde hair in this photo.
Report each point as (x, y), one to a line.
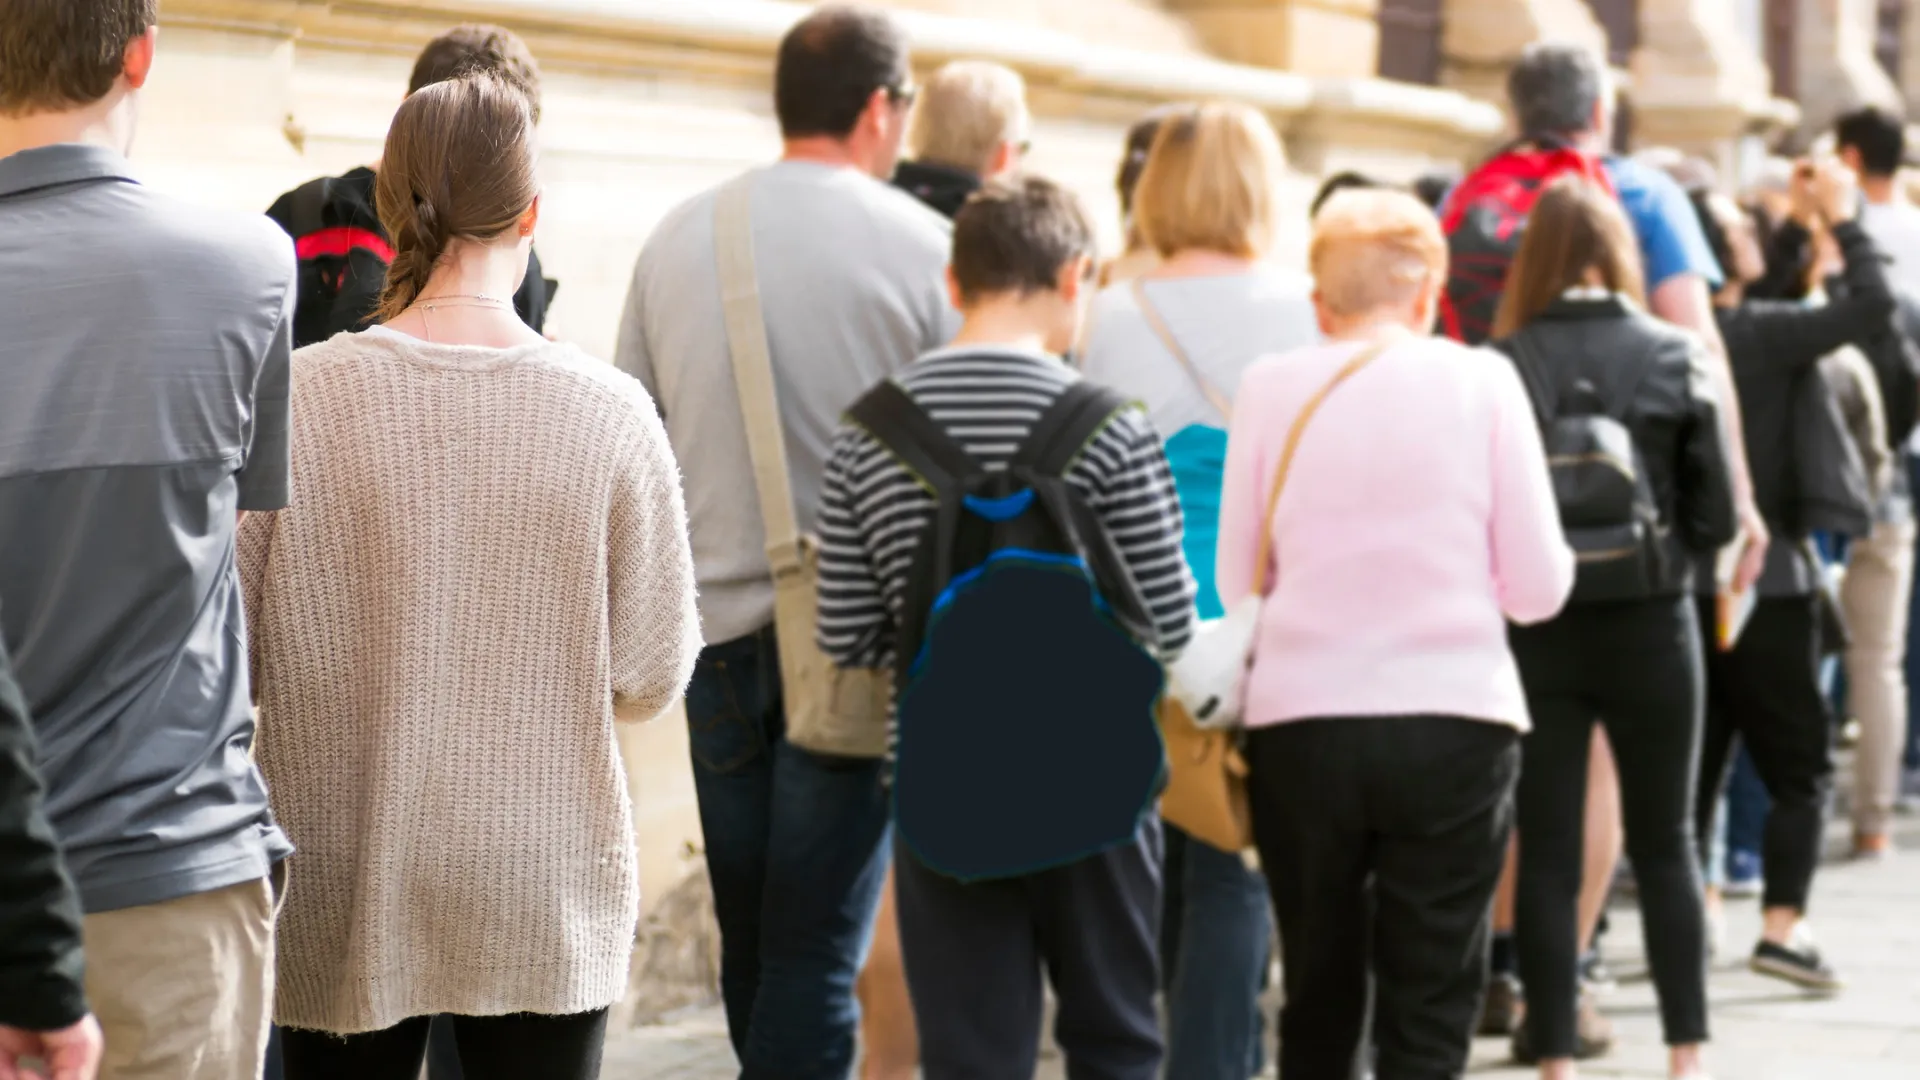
(966, 111)
(1374, 248)
(1211, 183)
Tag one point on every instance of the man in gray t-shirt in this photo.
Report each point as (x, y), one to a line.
(851, 281)
(143, 407)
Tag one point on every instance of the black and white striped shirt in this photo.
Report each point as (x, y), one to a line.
(873, 511)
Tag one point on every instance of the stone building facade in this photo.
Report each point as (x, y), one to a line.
(649, 101)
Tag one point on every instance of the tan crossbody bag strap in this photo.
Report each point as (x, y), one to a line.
(753, 372)
(1158, 324)
(1263, 553)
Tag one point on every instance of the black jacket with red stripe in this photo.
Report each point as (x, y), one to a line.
(344, 252)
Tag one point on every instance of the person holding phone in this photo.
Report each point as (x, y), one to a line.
(1807, 476)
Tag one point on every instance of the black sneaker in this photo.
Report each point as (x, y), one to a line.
(1801, 966)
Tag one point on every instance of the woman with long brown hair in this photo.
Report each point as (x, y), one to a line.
(1627, 650)
(487, 556)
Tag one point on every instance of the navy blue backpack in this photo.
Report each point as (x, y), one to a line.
(1026, 680)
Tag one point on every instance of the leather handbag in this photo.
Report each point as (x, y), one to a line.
(1206, 793)
(830, 710)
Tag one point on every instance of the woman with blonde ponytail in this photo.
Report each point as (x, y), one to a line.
(485, 559)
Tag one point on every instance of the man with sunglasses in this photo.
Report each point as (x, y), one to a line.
(849, 275)
(971, 126)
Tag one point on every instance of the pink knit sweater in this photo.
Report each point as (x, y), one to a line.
(1417, 520)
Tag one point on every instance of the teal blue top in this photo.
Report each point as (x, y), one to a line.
(1223, 324)
(1198, 455)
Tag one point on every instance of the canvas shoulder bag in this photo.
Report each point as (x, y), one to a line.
(1206, 793)
(830, 710)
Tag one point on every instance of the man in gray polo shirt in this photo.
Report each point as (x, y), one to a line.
(144, 348)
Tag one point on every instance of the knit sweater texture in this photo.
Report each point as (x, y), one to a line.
(487, 551)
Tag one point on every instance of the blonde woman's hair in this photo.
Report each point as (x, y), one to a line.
(1211, 183)
(1374, 249)
(965, 112)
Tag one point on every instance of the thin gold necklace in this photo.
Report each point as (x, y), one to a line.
(455, 300)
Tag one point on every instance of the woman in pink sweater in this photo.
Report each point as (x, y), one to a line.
(1383, 705)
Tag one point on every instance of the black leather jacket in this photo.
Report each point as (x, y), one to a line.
(1672, 413)
(1806, 475)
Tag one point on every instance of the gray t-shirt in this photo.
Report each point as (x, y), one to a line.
(852, 288)
(144, 348)
(1223, 323)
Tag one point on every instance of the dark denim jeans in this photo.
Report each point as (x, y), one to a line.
(1214, 951)
(796, 853)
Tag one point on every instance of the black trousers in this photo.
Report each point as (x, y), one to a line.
(1767, 691)
(1636, 668)
(975, 953)
(1382, 840)
(503, 1047)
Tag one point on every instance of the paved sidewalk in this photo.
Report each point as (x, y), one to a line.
(1867, 918)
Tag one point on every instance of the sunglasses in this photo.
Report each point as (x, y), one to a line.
(903, 95)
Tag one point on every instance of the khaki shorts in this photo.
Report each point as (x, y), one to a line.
(184, 988)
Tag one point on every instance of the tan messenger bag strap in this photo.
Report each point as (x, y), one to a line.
(1158, 324)
(829, 710)
(753, 372)
(1263, 553)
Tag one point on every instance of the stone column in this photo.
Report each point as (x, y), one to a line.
(1910, 61)
(1484, 37)
(1699, 82)
(1838, 70)
(1308, 37)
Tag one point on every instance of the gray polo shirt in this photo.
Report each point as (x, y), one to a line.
(853, 286)
(144, 347)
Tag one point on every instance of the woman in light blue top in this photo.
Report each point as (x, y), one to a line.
(1178, 339)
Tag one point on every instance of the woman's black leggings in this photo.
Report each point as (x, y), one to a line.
(516, 1046)
(1637, 668)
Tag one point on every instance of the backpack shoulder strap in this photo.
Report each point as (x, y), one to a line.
(898, 423)
(309, 209)
(1622, 403)
(1534, 376)
(1064, 430)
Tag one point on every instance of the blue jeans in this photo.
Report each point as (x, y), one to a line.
(795, 851)
(1215, 945)
(1747, 806)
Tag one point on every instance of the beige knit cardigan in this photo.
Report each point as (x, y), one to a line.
(485, 550)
